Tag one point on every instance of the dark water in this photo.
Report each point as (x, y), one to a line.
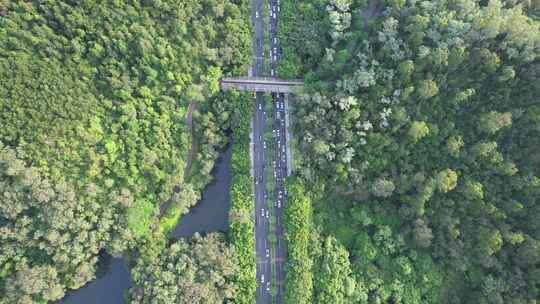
(212, 212)
(107, 289)
(209, 215)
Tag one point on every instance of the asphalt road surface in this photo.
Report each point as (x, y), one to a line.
(262, 245)
(279, 167)
(280, 150)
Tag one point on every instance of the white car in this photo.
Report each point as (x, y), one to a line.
(272, 72)
(256, 14)
(279, 204)
(260, 107)
(262, 212)
(267, 214)
(267, 252)
(275, 40)
(268, 286)
(262, 278)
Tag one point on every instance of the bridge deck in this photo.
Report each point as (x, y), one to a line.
(261, 84)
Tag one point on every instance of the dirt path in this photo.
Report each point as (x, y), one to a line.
(191, 153)
(194, 144)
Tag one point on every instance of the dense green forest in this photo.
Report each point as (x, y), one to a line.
(93, 137)
(241, 220)
(198, 270)
(213, 268)
(418, 136)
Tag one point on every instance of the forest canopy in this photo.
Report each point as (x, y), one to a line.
(420, 123)
(93, 106)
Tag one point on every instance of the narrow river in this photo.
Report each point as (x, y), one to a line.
(209, 215)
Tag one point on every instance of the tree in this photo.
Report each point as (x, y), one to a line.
(446, 180)
(383, 187)
(492, 122)
(422, 233)
(333, 282)
(427, 89)
(199, 270)
(418, 130)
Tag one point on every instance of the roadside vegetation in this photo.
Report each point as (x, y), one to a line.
(93, 139)
(419, 134)
(241, 214)
(199, 270)
(298, 226)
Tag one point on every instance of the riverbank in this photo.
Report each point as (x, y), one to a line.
(210, 214)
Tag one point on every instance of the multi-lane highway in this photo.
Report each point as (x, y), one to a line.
(280, 193)
(264, 251)
(262, 246)
(280, 150)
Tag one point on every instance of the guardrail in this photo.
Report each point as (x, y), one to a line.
(261, 84)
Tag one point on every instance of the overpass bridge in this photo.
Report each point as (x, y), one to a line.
(261, 84)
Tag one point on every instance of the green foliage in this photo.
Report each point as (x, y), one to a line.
(447, 180)
(333, 282)
(179, 205)
(140, 217)
(93, 100)
(443, 133)
(241, 222)
(298, 225)
(418, 130)
(198, 270)
(52, 232)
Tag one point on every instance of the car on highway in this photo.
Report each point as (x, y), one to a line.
(260, 106)
(262, 212)
(268, 286)
(262, 278)
(267, 214)
(256, 14)
(267, 252)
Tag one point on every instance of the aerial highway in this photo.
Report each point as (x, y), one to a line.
(262, 245)
(265, 257)
(280, 152)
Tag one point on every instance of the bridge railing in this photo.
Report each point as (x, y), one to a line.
(269, 80)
